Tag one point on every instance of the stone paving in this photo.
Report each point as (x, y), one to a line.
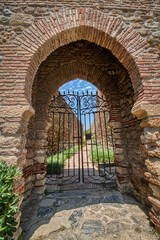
(94, 214)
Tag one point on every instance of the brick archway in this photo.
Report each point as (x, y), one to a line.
(31, 48)
(39, 40)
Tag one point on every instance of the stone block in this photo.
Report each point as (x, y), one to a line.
(9, 151)
(117, 135)
(28, 185)
(155, 189)
(6, 12)
(40, 159)
(29, 10)
(123, 113)
(16, 9)
(155, 153)
(4, 20)
(118, 150)
(30, 154)
(119, 158)
(11, 128)
(41, 9)
(10, 160)
(26, 194)
(28, 179)
(21, 19)
(115, 124)
(41, 182)
(40, 176)
(153, 166)
(151, 24)
(136, 25)
(39, 190)
(41, 143)
(18, 111)
(143, 31)
(149, 136)
(119, 141)
(122, 171)
(153, 123)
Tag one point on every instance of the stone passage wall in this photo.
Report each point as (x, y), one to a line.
(64, 127)
(100, 128)
(113, 44)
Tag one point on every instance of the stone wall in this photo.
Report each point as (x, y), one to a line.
(64, 128)
(124, 65)
(100, 128)
(141, 15)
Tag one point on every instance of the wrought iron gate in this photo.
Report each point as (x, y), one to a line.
(81, 146)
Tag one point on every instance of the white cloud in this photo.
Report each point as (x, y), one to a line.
(88, 87)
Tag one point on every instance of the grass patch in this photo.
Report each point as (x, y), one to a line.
(155, 233)
(95, 155)
(59, 160)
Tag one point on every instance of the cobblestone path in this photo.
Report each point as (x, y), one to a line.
(97, 214)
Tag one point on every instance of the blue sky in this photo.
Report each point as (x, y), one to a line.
(81, 86)
(78, 85)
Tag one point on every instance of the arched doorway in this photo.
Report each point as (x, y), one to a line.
(97, 65)
(131, 51)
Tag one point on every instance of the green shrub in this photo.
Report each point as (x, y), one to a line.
(58, 161)
(97, 153)
(8, 200)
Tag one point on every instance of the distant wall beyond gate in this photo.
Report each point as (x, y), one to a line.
(63, 129)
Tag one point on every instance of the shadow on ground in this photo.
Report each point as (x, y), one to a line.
(86, 215)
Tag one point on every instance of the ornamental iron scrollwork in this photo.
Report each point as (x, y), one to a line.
(85, 103)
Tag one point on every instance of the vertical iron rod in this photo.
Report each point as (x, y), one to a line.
(78, 136)
(52, 144)
(81, 133)
(86, 144)
(63, 141)
(102, 141)
(96, 142)
(107, 143)
(68, 146)
(58, 142)
(91, 145)
(113, 146)
(73, 149)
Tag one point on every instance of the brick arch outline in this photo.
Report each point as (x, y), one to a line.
(96, 76)
(64, 27)
(74, 70)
